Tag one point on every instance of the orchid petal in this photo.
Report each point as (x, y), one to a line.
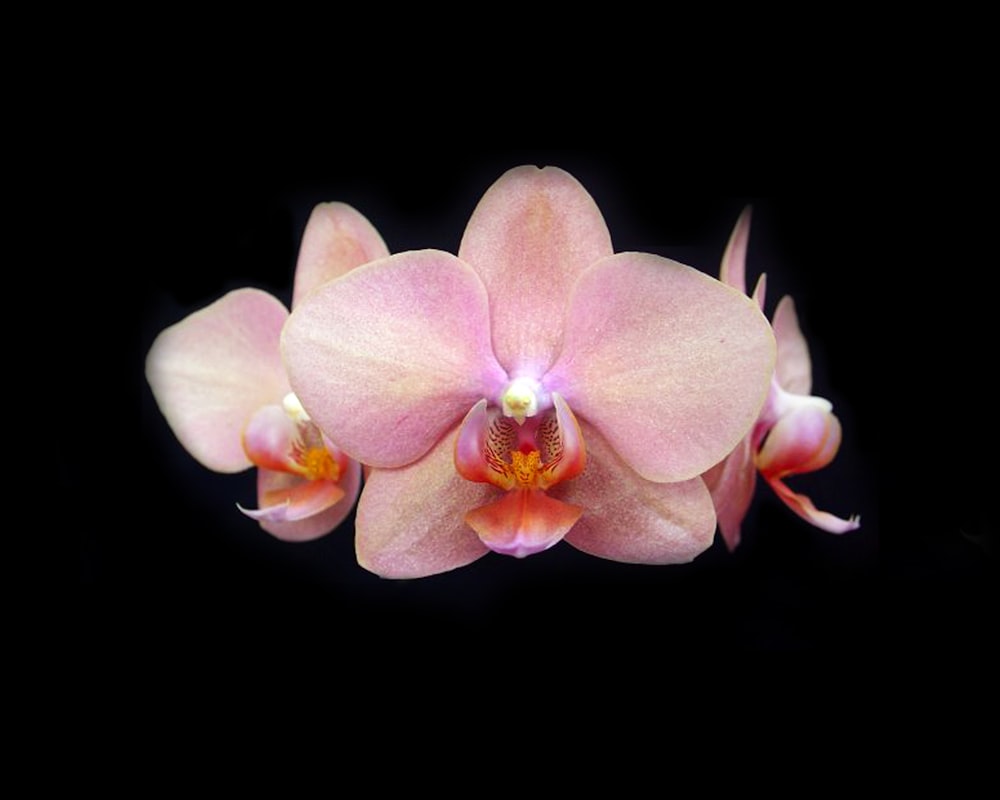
(269, 437)
(572, 450)
(410, 521)
(731, 483)
(670, 364)
(389, 357)
(627, 518)
(803, 440)
(319, 524)
(285, 497)
(337, 238)
(734, 258)
(803, 506)
(532, 233)
(794, 368)
(523, 522)
(212, 370)
(470, 447)
(760, 291)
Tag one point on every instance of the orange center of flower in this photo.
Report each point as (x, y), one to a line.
(317, 463)
(523, 456)
(525, 468)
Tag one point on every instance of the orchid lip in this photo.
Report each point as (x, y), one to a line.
(524, 460)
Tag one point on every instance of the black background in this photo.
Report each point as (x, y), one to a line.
(190, 574)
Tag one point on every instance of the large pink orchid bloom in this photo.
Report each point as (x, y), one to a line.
(796, 432)
(535, 387)
(219, 381)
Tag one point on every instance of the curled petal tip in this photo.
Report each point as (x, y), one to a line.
(289, 498)
(804, 507)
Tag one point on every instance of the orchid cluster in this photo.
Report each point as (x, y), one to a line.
(534, 387)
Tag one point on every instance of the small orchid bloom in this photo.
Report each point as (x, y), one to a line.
(534, 388)
(796, 432)
(219, 381)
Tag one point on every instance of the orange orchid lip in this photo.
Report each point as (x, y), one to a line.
(523, 458)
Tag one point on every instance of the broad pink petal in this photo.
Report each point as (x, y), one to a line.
(212, 370)
(522, 522)
(627, 518)
(794, 367)
(389, 357)
(337, 239)
(529, 237)
(411, 521)
(804, 507)
(670, 364)
(734, 259)
(731, 484)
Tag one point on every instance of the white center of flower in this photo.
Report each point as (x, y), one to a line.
(294, 408)
(520, 400)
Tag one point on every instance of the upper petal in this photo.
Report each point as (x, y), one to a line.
(212, 370)
(337, 238)
(734, 258)
(389, 357)
(627, 518)
(411, 521)
(529, 237)
(670, 364)
(794, 367)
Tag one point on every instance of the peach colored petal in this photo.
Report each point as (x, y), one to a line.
(804, 507)
(532, 233)
(212, 370)
(794, 367)
(268, 439)
(627, 518)
(411, 521)
(319, 524)
(731, 484)
(337, 238)
(285, 497)
(671, 365)
(388, 358)
(734, 259)
(804, 439)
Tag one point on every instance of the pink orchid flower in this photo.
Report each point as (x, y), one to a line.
(536, 387)
(796, 432)
(219, 381)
